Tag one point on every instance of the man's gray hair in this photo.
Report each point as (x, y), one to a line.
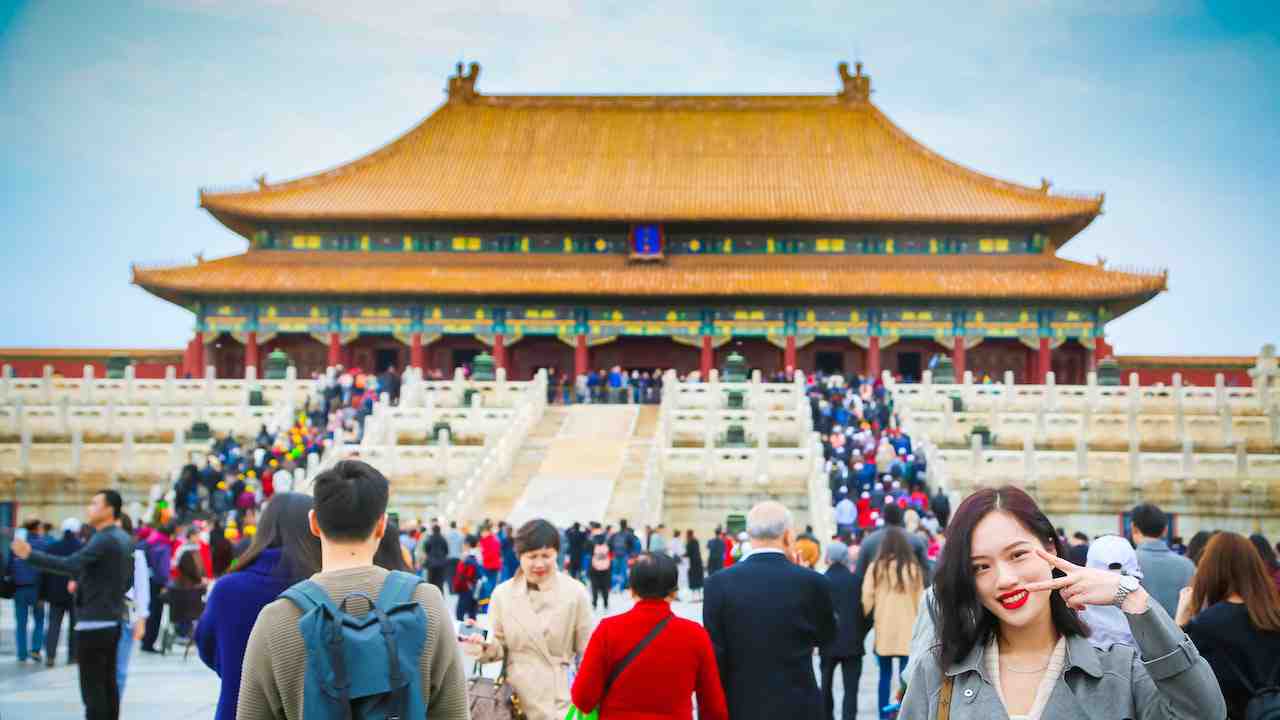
(769, 520)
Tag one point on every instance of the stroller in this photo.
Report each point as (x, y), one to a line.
(183, 607)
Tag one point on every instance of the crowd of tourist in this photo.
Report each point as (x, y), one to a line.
(987, 611)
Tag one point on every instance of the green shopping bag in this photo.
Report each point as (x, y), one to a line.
(576, 714)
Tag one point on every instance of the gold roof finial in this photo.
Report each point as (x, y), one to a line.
(462, 85)
(856, 87)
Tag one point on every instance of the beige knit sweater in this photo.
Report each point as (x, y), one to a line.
(275, 661)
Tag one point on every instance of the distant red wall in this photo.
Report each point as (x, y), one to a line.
(75, 368)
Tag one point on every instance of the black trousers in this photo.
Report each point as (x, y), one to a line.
(435, 576)
(153, 620)
(851, 671)
(599, 587)
(97, 658)
(53, 629)
(449, 569)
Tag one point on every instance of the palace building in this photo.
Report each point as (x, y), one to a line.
(581, 232)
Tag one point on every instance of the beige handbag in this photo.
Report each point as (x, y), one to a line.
(493, 699)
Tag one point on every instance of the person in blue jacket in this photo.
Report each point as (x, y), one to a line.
(283, 552)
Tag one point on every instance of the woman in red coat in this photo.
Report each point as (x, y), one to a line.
(661, 678)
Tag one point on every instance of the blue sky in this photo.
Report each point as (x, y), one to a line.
(113, 115)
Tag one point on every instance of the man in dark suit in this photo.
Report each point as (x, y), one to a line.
(846, 650)
(765, 615)
(715, 552)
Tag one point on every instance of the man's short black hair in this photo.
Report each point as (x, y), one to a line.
(654, 576)
(1080, 536)
(892, 514)
(537, 534)
(112, 498)
(350, 499)
(1150, 520)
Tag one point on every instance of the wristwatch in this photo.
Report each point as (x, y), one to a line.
(1128, 584)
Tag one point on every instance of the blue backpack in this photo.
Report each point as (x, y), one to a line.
(362, 668)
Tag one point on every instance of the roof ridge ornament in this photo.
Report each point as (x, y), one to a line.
(462, 85)
(854, 88)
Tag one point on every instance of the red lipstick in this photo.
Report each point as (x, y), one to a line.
(1013, 600)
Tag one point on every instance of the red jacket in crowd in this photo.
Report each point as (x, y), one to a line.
(490, 552)
(658, 683)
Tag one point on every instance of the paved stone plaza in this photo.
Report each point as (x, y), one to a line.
(175, 689)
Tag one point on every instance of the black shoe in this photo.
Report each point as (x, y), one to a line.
(35, 655)
(151, 650)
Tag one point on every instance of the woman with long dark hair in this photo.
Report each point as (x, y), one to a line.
(1199, 541)
(1231, 611)
(891, 591)
(1009, 640)
(283, 552)
(1266, 552)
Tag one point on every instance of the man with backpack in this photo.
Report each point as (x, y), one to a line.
(466, 576)
(355, 641)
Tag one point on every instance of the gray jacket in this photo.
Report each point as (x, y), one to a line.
(1164, 573)
(1119, 682)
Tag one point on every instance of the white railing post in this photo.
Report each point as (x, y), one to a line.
(130, 382)
(77, 448)
(170, 385)
(210, 374)
(46, 385)
(86, 385)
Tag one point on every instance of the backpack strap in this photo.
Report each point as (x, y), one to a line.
(398, 589)
(308, 596)
(635, 652)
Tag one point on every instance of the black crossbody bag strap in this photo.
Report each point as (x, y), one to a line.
(635, 652)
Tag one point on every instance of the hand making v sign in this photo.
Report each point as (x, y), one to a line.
(1083, 586)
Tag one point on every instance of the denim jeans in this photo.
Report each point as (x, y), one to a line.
(26, 601)
(620, 573)
(123, 650)
(886, 678)
(490, 582)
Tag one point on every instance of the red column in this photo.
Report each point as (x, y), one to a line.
(708, 357)
(415, 351)
(251, 351)
(335, 349)
(1045, 363)
(873, 358)
(789, 356)
(957, 359)
(499, 352)
(197, 355)
(580, 362)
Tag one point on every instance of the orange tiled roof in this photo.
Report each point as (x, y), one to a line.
(282, 272)
(821, 158)
(1236, 362)
(67, 353)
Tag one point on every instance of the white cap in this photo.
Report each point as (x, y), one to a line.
(71, 525)
(1112, 552)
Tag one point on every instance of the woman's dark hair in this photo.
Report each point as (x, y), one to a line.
(654, 576)
(390, 553)
(963, 622)
(1195, 548)
(1265, 551)
(896, 557)
(537, 534)
(284, 525)
(190, 569)
(1231, 567)
(126, 523)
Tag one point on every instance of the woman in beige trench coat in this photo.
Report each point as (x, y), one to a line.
(543, 619)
